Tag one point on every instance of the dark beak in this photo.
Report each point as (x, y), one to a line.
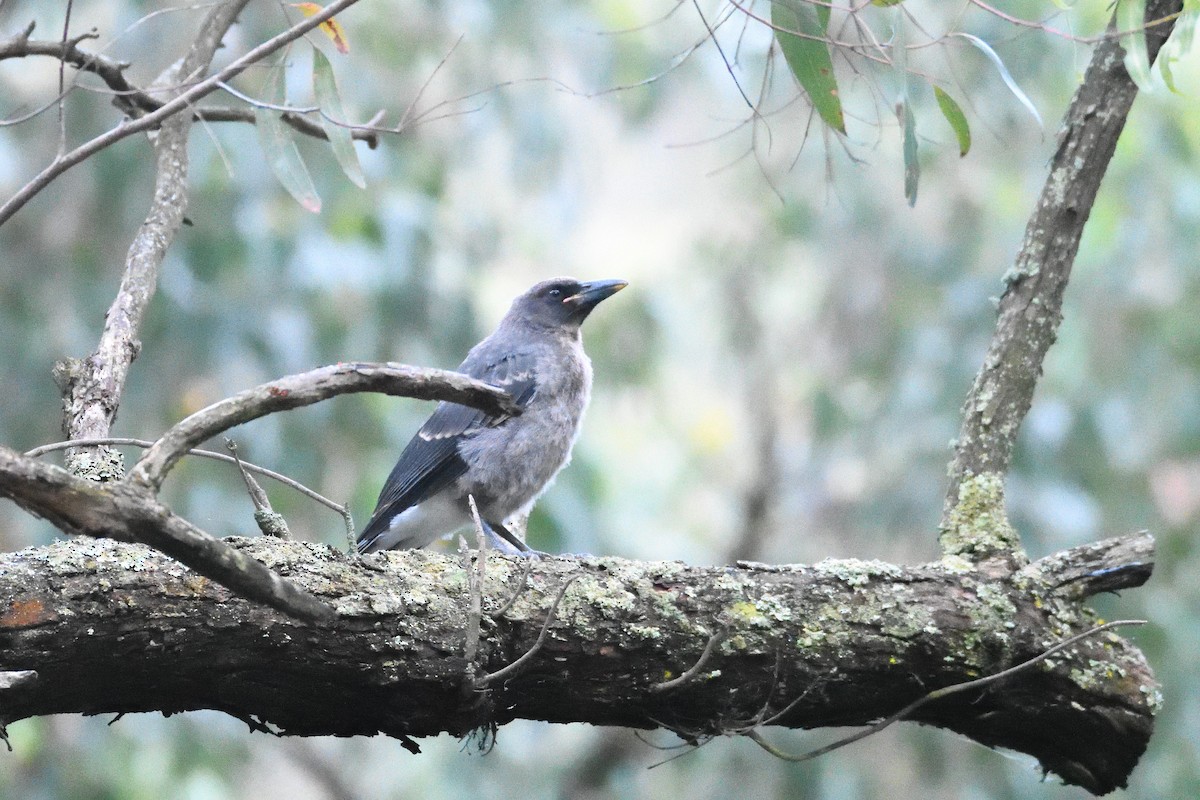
(591, 293)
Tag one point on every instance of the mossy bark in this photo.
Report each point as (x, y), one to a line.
(111, 628)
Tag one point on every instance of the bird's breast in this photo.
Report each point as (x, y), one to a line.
(513, 462)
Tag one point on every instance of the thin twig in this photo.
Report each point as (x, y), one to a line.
(62, 83)
(475, 590)
(195, 451)
(520, 590)
(153, 119)
(936, 694)
(695, 669)
(506, 672)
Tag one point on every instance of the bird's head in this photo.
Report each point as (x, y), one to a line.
(562, 302)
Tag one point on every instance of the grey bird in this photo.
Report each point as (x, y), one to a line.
(505, 463)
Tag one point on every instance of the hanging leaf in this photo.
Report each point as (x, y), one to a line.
(276, 139)
(1179, 43)
(986, 49)
(330, 101)
(1131, 18)
(332, 28)
(957, 119)
(809, 58)
(912, 167)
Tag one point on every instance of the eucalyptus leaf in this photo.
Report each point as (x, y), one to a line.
(809, 58)
(330, 101)
(957, 119)
(276, 139)
(1131, 18)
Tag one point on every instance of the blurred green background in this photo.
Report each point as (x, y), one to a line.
(781, 381)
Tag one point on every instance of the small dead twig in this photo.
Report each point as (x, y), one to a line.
(475, 588)
(269, 521)
(520, 590)
(695, 669)
(937, 694)
(507, 672)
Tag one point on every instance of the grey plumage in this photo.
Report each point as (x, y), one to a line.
(505, 463)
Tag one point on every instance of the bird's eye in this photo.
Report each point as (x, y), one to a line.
(555, 292)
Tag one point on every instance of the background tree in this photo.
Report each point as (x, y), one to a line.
(811, 303)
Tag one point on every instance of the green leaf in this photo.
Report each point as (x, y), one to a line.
(886, 3)
(809, 59)
(912, 167)
(1131, 17)
(1179, 43)
(330, 101)
(276, 139)
(957, 119)
(1005, 75)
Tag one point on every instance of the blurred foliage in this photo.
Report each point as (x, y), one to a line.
(781, 380)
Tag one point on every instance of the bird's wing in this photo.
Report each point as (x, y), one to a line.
(430, 462)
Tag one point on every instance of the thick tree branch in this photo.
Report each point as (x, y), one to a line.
(92, 388)
(127, 510)
(837, 643)
(152, 120)
(306, 388)
(1031, 308)
(121, 511)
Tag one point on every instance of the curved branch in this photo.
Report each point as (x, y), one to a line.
(306, 388)
(1031, 308)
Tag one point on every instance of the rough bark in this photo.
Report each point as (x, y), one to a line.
(92, 387)
(1031, 307)
(113, 628)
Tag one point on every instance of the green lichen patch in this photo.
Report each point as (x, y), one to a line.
(978, 526)
(856, 572)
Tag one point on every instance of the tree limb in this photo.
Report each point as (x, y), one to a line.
(1031, 308)
(837, 643)
(306, 388)
(152, 120)
(92, 388)
(120, 511)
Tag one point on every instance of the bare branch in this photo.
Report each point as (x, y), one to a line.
(125, 512)
(1031, 308)
(180, 103)
(135, 101)
(306, 388)
(92, 388)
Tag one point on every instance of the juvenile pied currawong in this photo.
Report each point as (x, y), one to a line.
(505, 463)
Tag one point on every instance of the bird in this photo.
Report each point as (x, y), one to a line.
(503, 462)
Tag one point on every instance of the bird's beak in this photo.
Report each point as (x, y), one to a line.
(592, 292)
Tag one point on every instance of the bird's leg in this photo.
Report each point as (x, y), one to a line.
(504, 541)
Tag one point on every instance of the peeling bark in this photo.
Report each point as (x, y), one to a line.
(113, 628)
